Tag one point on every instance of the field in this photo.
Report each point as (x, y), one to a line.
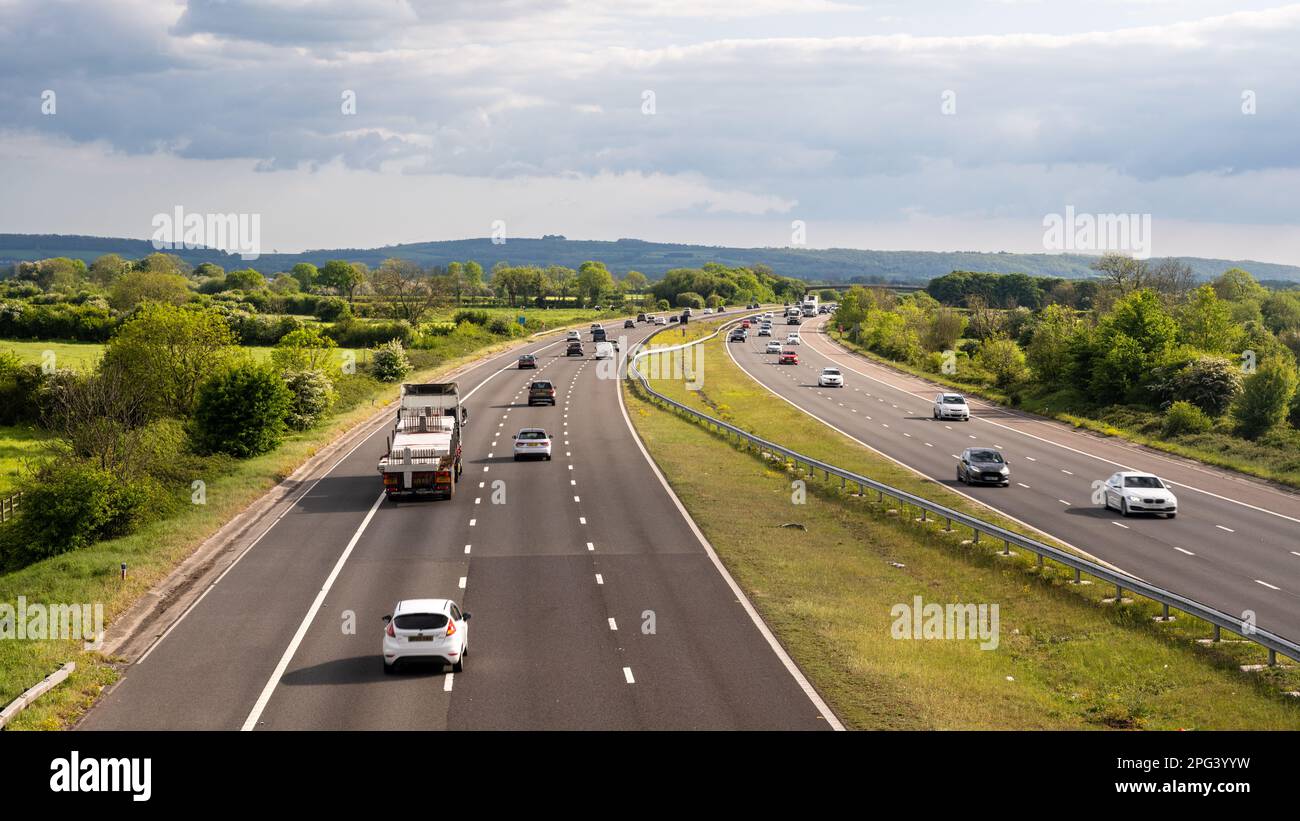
(1064, 661)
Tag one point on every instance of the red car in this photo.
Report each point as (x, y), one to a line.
(745, 324)
(788, 358)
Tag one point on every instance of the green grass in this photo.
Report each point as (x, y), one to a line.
(92, 575)
(18, 445)
(1276, 459)
(1065, 660)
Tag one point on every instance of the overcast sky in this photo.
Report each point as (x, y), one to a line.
(939, 125)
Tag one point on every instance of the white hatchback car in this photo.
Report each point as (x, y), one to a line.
(532, 442)
(793, 339)
(1132, 492)
(773, 347)
(659, 320)
(573, 335)
(951, 406)
(830, 378)
(427, 629)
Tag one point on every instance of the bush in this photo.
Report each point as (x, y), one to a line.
(1184, 417)
(390, 363)
(332, 309)
(504, 327)
(477, 317)
(241, 411)
(20, 386)
(1211, 383)
(1265, 398)
(366, 334)
(70, 504)
(688, 299)
(312, 396)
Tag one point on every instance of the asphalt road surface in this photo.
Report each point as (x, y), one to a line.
(1235, 544)
(563, 579)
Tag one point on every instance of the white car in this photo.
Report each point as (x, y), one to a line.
(532, 442)
(772, 347)
(604, 350)
(708, 310)
(1132, 492)
(427, 629)
(659, 320)
(951, 406)
(573, 335)
(830, 378)
(793, 339)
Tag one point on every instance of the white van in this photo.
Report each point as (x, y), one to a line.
(604, 350)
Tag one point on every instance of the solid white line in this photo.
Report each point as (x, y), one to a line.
(627, 674)
(251, 721)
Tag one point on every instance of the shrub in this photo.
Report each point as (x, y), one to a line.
(1004, 361)
(332, 309)
(303, 349)
(503, 327)
(390, 363)
(20, 386)
(477, 317)
(359, 334)
(1184, 417)
(312, 396)
(1211, 383)
(1265, 398)
(241, 411)
(70, 504)
(689, 299)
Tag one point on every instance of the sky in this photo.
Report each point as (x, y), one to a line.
(938, 125)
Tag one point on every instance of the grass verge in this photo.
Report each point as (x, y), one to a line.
(1064, 659)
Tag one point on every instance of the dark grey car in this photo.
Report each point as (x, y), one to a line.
(983, 466)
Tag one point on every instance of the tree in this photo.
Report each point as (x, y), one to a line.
(60, 274)
(635, 282)
(1281, 311)
(285, 284)
(209, 270)
(312, 396)
(944, 329)
(1048, 353)
(1211, 383)
(306, 274)
(303, 349)
(100, 416)
(159, 263)
(1207, 322)
(138, 287)
(169, 351)
(563, 280)
(406, 289)
(1135, 337)
(248, 279)
(343, 276)
(1003, 359)
(241, 411)
(389, 362)
(1123, 273)
(594, 279)
(107, 268)
(1265, 399)
(1236, 285)
(1171, 278)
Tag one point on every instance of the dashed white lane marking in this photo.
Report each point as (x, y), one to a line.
(972, 436)
(576, 499)
(489, 454)
(1030, 458)
(955, 456)
(472, 522)
(884, 424)
(1266, 584)
(481, 484)
(908, 435)
(478, 499)
(570, 467)
(485, 468)
(1117, 524)
(573, 482)
(613, 625)
(446, 682)
(1295, 553)
(627, 674)
(1022, 484)
(467, 549)
(1066, 472)
(462, 583)
(1181, 550)
(600, 579)
(1221, 527)
(591, 546)
(582, 520)
(1062, 501)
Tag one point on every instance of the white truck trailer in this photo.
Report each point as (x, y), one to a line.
(423, 451)
(809, 306)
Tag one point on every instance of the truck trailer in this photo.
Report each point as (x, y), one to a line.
(423, 450)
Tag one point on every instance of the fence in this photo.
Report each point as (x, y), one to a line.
(1123, 582)
(8, 505)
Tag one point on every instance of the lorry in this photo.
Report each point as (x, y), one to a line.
(809, 306)
(423, 450)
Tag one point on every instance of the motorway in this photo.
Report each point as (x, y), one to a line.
(561, 578)
(1235, 544)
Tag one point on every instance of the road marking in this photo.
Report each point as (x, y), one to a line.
(582, 520)
(1221, 527)
(481, 484)
(600, 579)
(590, 546)
(573, 482)
(265, 697)
(1266, 584)
(1295, 553)
(1030, 458)
(467, 549)
(462, 582)
(1062, 501)
(908, 435)
(627, 674)
(613, 625)
(472, 522)
(1117, 524)
(1188, 552)
(446, 683)
(576, 499)
(1022, 484)
(478, 499)
(1066, 472)
(485, 468)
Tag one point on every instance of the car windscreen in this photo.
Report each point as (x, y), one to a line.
(1142, 481)
(986, 456)
(533, 435)
(953, 400)
(830, 372)
(420, 621)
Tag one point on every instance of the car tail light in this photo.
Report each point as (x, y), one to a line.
(392, 633)
(451, 627)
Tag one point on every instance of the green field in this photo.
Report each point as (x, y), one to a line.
(17, 445)
(1064, 660)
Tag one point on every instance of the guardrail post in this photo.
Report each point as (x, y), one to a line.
(1006, 547)
(1272, 657)
(923, 515)
(976, 539)
(1119, 594)
(1040, 561)
(1218, 633)
(1165, 613)
(947, 525)
(1078, 578)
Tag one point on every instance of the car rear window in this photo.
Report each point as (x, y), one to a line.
(541, 386)
(532, 434)
(420, 621)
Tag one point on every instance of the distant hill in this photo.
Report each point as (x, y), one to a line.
(651, 258)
